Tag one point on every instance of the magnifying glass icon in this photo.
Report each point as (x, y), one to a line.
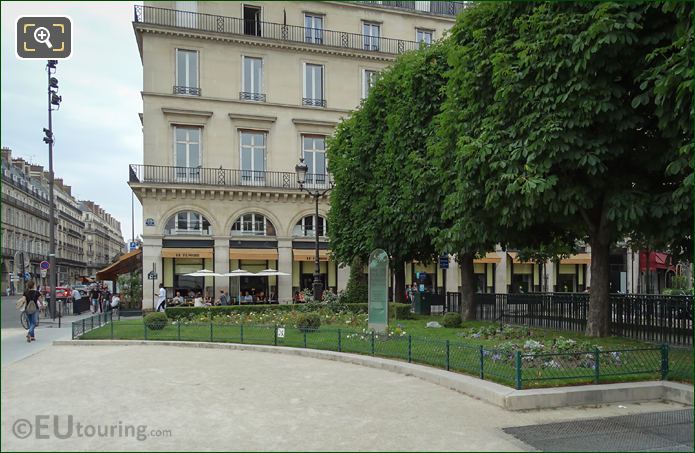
(42, 35)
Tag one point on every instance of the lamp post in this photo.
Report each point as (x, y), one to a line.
(317, 192)
(53, 100)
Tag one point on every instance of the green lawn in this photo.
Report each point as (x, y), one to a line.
(429, 346)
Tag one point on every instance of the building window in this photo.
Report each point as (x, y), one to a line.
(305, 227)
(368, 79)
(253, 224)
(313, 31)
(187, 152)
(187, 72)
(314, 153)
(187, 222)
(313, 85)
(253, 146)
(252, 20)
(371, 35)
(253, 79)
(423, 36)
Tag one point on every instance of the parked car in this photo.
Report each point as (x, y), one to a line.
(62, 293)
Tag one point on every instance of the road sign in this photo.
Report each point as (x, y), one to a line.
(27, 276)
(149, 221)
(152, 275)
(43, 273)
(45, 265)
(133, 246)
(444, 262)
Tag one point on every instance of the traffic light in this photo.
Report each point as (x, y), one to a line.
(55, 99)
(53, 83)
(48, 139)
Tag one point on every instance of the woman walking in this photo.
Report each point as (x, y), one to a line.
(31, 308)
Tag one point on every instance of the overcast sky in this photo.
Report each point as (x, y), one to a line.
(97, 129)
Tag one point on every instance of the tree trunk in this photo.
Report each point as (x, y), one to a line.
(598, 316)
(399, 290)
(467, 286)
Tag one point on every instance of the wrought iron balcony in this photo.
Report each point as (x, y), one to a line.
(314, 102)
(193, 91)
(441, 7)
(246, 96)
(280, 32)
(222, 177)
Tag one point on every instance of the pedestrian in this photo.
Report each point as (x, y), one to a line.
(106, 299)
(115, 304)
(94, 296)
(224, 298)
(31, 308)
(75, 296)
(162, 301)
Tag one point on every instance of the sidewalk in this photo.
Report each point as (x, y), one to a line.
(14, 342)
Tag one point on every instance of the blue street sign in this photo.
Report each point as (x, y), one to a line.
(27, 276)
(45, 265)
(444, 261)
(133, 246)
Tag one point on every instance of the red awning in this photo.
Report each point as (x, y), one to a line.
(657, 260)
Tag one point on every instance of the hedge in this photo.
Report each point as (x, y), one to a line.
(189, 312)
(401, 311)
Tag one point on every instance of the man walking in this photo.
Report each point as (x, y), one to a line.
(162, 301)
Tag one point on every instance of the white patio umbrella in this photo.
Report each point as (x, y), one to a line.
(239, 273)
(271, 272)
(204, 273)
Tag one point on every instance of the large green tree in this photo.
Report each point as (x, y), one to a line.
(385, 183)
(573, 135)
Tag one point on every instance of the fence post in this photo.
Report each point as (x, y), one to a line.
(83, 325)
(664, 361)
(518, 370)
(91, 319)
(145, 326)
(111, 328)
(410, 348)
(73, 330)
(178, 330)
(372, 342)
(275, 340)
(304, 338)
(210, 330)
(340, 341)
(482, 361)
(597, 365)
(447, 355)
(242, 333)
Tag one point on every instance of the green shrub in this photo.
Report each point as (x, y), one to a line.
(192, 312)
(452, 320)
(357, 290)
(398, 311)
(308, 321)
(156, 320)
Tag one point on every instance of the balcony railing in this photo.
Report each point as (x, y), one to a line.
(165, 175)
(280, 32)
(314, 102)
(193, 91)
(246, 96)
(442, 8)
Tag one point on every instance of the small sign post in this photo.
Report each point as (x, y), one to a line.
(378, 291)
(45, 265)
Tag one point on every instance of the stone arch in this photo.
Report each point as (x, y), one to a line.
(253, 210)
(297, 217)
(214, 224)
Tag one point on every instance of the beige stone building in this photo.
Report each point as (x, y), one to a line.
(103, 238)
(234, 94)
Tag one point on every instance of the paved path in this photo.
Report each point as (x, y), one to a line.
(208, 399)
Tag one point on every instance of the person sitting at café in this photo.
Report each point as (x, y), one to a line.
(248, 298)
(177, 300)
(198, 301)
(260, 296)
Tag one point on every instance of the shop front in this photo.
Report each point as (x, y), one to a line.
(304, 266)
(484, 269)
(571, 273)
(177, 262)
(256, 288)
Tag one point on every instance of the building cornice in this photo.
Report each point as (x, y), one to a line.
(312, 122)
(242, 117)
(186, 112)
(264, 42)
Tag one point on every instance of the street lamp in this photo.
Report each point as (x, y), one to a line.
(53, 100)
(318, 191)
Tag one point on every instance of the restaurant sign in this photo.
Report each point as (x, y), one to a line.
(186, 253)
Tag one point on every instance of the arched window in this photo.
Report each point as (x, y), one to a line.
(305, 227)
(253, 224)
(187, 222)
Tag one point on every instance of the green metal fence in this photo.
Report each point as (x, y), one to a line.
(514, 368)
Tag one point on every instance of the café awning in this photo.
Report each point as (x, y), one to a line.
(489, 258)
(253, 254)
(309, 255)
(129, 262)
(579, 258)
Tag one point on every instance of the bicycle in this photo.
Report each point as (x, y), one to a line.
(25, 320)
